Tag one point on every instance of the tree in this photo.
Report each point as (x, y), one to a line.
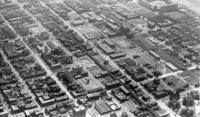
(152, 26)
(157, 73)
(37, 68)
(124, 114)
(106, 62)
(174, 104)
(156, 81)
(25, 52)
(125, 27)
(188, 101)
(174, 96)
(113, 115)
(186, 112)
(130, 35)
(126, 30)
(141, 70)
(195, 95)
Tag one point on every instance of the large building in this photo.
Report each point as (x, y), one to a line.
(159, 5)
(79, 112)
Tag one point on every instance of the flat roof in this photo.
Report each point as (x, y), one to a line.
(105, 48)
(175, 15)
(102, 108)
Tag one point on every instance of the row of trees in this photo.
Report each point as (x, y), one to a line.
(188, 103)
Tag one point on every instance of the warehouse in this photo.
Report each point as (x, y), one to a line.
(171, 66)
(102, 108)
(155, 55)
(105, 48)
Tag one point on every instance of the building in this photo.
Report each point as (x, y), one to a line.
(79, 112)
(105, 48)
(155, 55)
(171, 66)
(159, 5)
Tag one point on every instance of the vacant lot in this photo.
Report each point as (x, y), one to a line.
(174, 82)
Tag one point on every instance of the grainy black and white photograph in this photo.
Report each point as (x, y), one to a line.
(99, 58)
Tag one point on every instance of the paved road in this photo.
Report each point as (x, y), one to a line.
(50, 73)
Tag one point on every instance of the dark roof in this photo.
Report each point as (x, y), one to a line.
(67, 77)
